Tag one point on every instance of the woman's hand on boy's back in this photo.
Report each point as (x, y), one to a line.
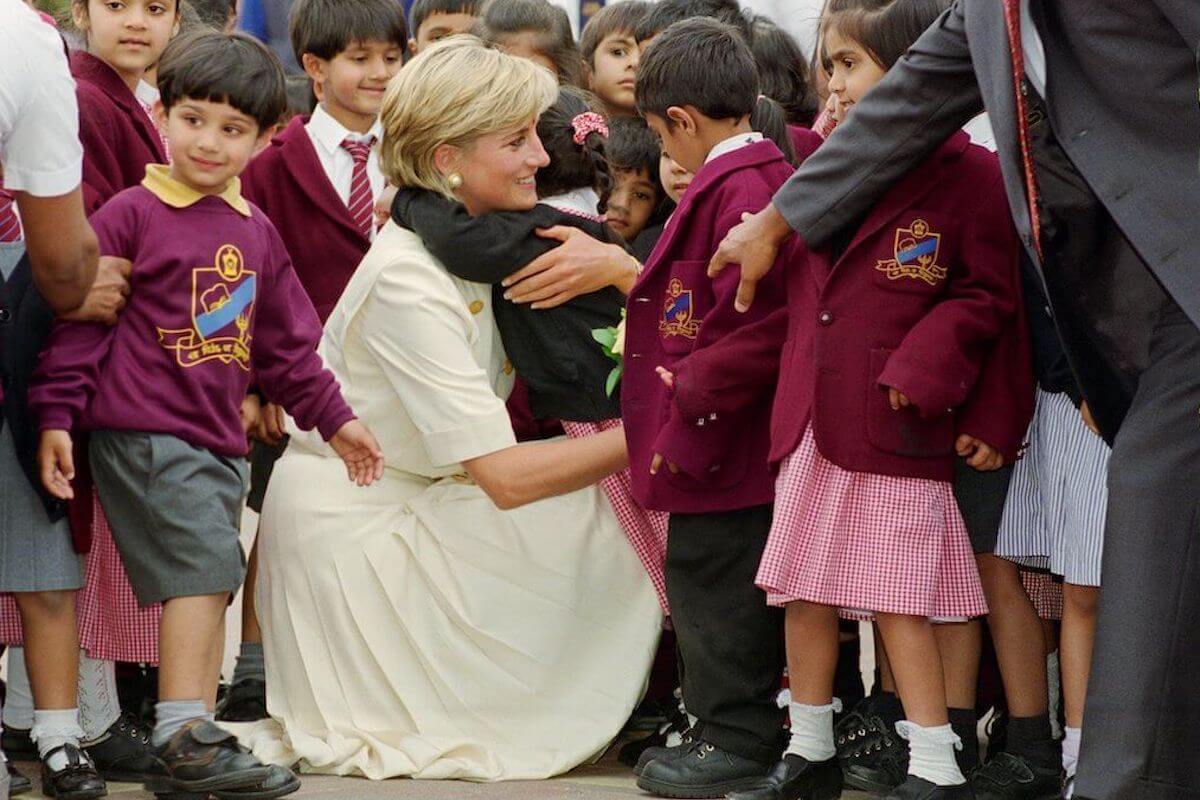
(106, 298)
(56, 463)
(360, 451)
(580, 265)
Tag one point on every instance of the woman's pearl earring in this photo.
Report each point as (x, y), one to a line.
(454, 181)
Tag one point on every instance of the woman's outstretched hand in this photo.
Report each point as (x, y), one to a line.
(580, 265)
(359, 450)
(754, 244)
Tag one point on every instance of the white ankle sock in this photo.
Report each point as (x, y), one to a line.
(99, 706)
(812, 731)
(931, 753)
(18, 705)
(171, 715)
(53, 729)
(1070, 749)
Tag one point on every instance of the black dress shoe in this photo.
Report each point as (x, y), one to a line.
(921, 789)
(201, 759)
(280, 781)
(703, 771)
(17, 745)
(795, 778)
(665, 753)
(877, 762)
(18, 783)
(78, 780)
(1010, 777)
(124, 752)
(246, 701)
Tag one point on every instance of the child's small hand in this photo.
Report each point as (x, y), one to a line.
(979, 455)
(1086, 413)
(250, 411)
(657, 462)
(362, 454)
(668, 377)
(898, 399)
(383, 206)
(56, 463)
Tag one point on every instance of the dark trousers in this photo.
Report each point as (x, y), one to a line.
(1141, 733)
(730, 640)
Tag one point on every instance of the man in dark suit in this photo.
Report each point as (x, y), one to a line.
(1094, 107)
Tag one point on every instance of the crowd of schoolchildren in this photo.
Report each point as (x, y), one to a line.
(888, 435)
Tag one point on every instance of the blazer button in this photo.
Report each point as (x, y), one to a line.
(5, 315)
(825, 318)
(476, 306)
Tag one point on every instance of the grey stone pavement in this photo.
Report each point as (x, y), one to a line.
(603, 781)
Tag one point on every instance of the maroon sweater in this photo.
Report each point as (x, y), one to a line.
(213, 297)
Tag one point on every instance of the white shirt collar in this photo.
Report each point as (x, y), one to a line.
(146, 93)
(581, 201)
(733, 143)
(330, 133)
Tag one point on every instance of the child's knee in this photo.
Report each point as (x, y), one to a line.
(47, 604)
(1081, 600)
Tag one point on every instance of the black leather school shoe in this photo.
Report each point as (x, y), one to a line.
(796, 778)
(78, 780)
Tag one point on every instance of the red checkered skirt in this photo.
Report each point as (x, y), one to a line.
(867, 543)
(646, 530)
(112, 626)
(1045, 592)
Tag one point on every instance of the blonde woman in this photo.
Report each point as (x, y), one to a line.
(478, 613)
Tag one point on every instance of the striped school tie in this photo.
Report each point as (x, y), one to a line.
(362, 202)
(10, 224)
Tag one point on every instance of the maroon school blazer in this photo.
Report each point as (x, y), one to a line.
(926, 298)
(674, 310)
(287, 182)
(118, 137)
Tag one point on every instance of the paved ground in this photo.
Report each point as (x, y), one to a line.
(602, 781)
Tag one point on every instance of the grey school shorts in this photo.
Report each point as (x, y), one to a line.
(174, 510)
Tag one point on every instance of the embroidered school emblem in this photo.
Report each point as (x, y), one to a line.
(677, 319)
(222, 303)
(914, 255)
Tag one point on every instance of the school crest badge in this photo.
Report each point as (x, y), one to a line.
(914, 255)
(678, 313)
(223, 298)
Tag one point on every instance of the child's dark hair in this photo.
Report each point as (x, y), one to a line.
(632, 146)
(215, 14)
(623, 17)
(769, 119)
(224, 68)
(666, 13)
(701, 63)
(573, 166)
(300, 98)
(328, 27)
(884, 28)
(421, 10)
(783, 70)
(555, 39)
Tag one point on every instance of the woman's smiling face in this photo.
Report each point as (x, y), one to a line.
(498, 170)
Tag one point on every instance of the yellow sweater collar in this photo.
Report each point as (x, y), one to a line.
(179, 195)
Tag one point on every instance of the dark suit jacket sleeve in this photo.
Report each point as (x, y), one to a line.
(1184, 15)
(930, 93)
(484, 249)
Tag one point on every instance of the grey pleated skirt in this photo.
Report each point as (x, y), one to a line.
(36, 555)
(1054, 517)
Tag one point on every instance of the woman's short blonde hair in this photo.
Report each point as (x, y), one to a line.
(453, 93)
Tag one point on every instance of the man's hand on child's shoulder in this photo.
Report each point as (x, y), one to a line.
(107, 296)
(56, 463)
(361, 452)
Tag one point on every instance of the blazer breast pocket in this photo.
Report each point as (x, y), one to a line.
(683, 306)
(903, 432)
(915, 254)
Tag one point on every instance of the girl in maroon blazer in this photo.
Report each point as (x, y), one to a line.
(889, 371)
(119, 140)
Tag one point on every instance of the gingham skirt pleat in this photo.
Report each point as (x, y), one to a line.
(112, 626)
(1054, 516)
(867, 543)
(1045, 592)
(646, 530)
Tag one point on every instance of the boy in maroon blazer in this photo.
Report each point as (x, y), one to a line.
(317, 182)
(697, 86)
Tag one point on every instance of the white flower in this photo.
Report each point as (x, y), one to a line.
(618, 347)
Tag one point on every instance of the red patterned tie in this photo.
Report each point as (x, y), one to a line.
(10, 224)
(1012, 21)
(362, 202)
